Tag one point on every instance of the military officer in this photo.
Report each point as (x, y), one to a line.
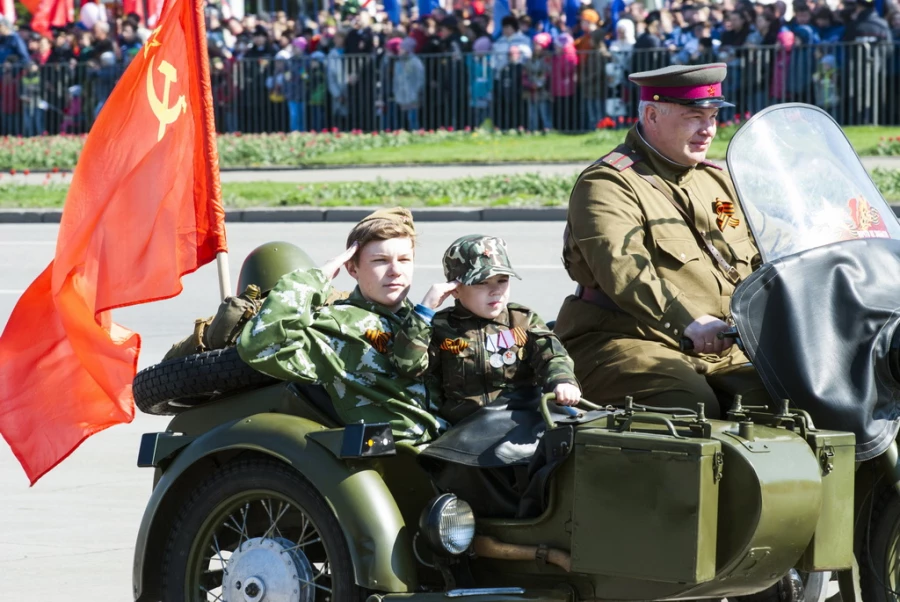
(347, 347)
(484, 348)
(656, 242)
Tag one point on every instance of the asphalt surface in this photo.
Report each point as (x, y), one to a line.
(71, 537)
(392, 173)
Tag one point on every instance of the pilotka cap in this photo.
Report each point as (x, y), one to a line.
(690, 85)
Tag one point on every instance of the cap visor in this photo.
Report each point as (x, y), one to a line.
(481, 275)
(709, 104)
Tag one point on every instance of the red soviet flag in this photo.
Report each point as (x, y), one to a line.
(144, 209)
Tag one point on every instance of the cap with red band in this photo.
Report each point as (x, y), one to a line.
(690, 85)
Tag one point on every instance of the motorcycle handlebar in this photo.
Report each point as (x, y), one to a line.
(686, 344)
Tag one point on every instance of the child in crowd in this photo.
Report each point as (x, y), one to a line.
(537, 84)
(825, 83)
(317, 90)
(484, 349)
(72, 117)
(481, 80)
(409, 81)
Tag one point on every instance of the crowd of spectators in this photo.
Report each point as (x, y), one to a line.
(355, 68)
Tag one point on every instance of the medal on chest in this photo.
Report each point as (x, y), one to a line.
(500, 346)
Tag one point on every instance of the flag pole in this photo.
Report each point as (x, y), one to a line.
(224, 276)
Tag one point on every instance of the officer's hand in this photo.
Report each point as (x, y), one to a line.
(332, 267)
(567, 395)
(438, 293)
(703, 331)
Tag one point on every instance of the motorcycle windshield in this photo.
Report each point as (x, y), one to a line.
(802, 185)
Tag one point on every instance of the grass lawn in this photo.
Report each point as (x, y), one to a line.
(549, 148)
(492, 191)
(237, 151)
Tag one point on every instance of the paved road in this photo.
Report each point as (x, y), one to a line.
(424, 172)
(71, 536)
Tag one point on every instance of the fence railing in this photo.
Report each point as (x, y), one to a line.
(857, 83)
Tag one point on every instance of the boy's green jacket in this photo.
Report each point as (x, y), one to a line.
(456, 348)
(347, 347)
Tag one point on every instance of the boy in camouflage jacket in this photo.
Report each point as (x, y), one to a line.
(484, 347)
(347, 347)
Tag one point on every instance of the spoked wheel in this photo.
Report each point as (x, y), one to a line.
(794, 587)
(257, 531)
(879, 566)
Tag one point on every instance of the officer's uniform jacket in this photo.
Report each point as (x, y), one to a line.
(452, 351)
(627, 240)
(346, 347)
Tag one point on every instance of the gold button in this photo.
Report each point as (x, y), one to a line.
(656, 97)
(682, 257)
(675, 331)
(667, 325)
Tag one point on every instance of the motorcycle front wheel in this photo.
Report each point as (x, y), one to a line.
(255, 529)
(880, 559)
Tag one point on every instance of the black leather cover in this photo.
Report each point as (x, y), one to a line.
(504, 433)
(817, 326)
(501, 458)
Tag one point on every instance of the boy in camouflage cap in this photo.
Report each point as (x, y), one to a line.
(484, 347)
(347, 346)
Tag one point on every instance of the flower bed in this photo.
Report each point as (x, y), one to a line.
(530, 190)
(260, 150)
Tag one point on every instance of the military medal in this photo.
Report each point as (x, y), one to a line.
(496, 360)
(491, 343)
(509, 358)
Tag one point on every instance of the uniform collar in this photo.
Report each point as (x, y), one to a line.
(356, 298)
(662, 166)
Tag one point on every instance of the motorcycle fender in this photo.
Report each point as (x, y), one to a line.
(377, 537)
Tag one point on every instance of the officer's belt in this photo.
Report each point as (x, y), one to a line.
(597, 297)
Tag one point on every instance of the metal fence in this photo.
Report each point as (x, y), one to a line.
(857, 83)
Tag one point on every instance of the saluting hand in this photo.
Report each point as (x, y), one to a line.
(567, 394)
(332, 267)
(438, 293)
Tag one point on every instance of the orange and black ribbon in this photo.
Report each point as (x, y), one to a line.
(725, 215)
(520, 336)
(379, 339)
(454, 346)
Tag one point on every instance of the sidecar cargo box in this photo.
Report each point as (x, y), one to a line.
(646, 504)
(832, 546)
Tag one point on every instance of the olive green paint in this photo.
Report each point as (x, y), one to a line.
(378, 539)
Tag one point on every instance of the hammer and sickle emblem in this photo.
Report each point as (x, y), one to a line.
(160, 106)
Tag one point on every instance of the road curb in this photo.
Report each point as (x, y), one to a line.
(341, 214)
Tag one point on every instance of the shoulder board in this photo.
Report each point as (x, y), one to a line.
(620, 159)
(519, 316)
(518, 307)
(443, 313)
(713, 165)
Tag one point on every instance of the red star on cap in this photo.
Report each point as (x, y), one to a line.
(711, 90)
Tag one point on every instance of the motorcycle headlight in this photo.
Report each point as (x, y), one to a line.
(448, 525)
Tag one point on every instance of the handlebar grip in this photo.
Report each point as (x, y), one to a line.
(686, 344)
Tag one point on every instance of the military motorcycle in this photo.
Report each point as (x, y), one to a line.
(261, 493)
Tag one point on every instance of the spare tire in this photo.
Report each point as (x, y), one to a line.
(180, 383)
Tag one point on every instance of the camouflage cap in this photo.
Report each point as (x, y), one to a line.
(475, 258)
